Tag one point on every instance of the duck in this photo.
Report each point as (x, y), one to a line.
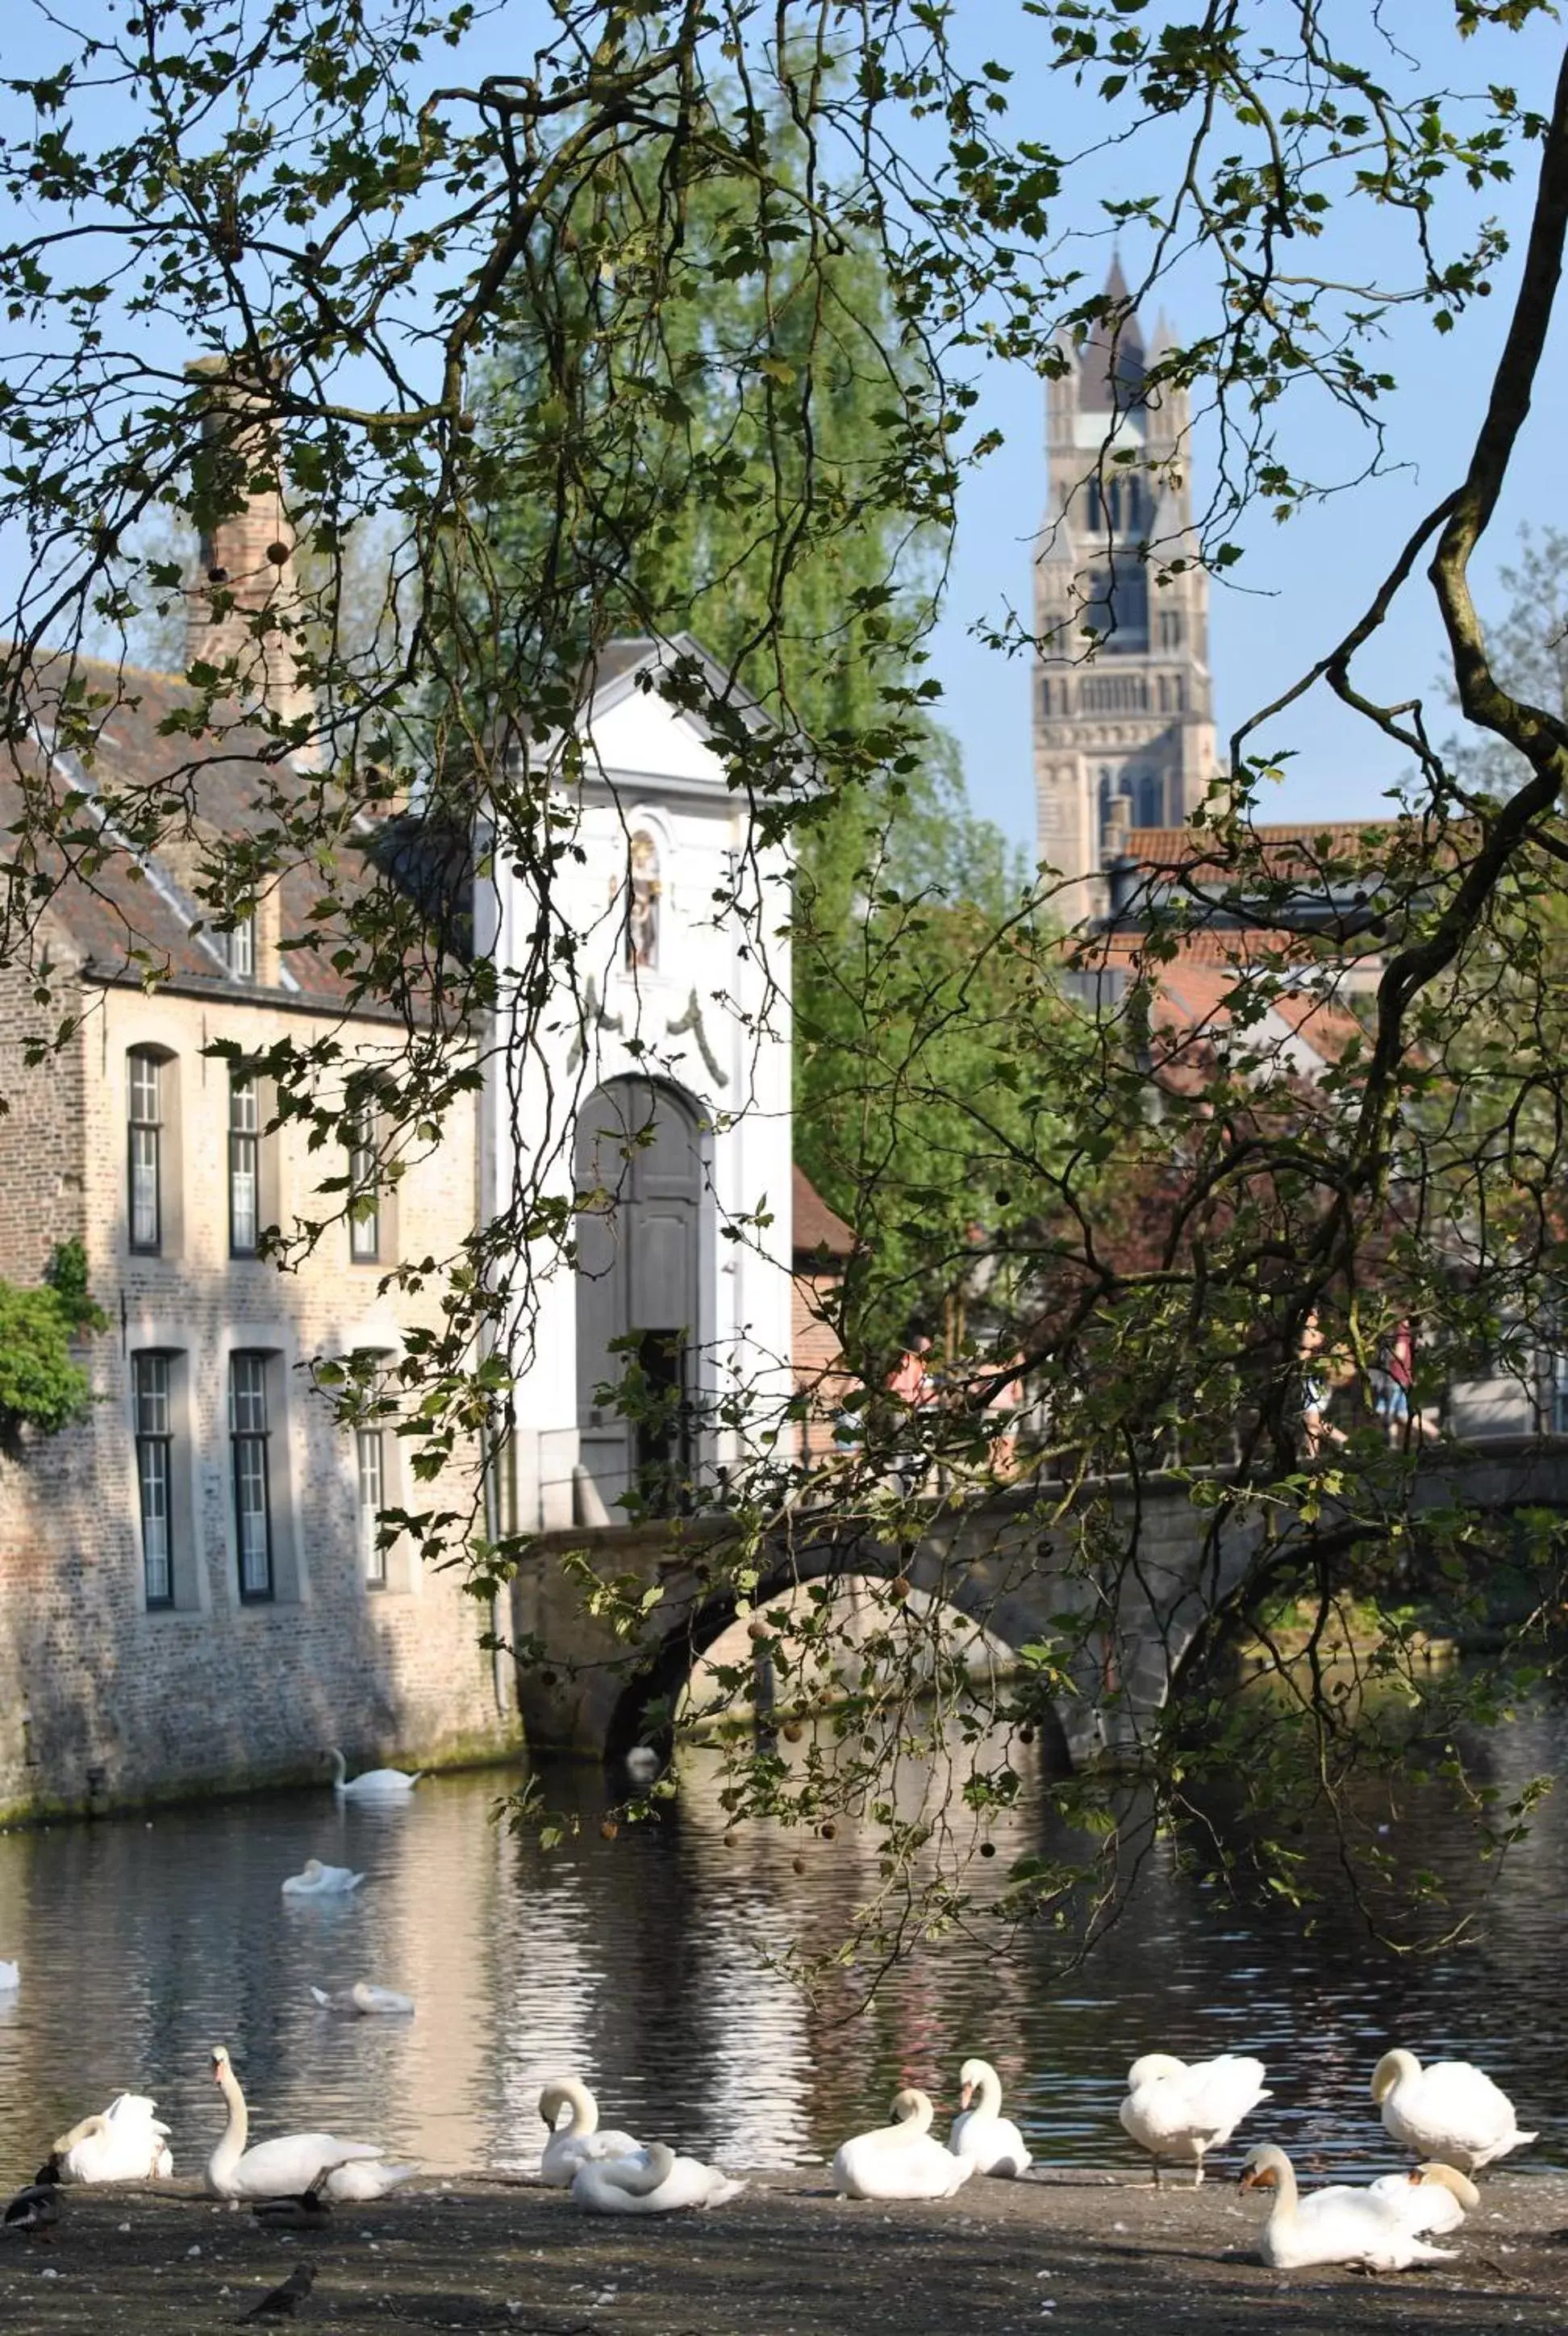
(1432, 2198)
(363, 1999)
(371, 1784)
(1451, 2111)
(34, 2211)
(653, 2182)
(900, 2160)
(125, 2143)
(580, 2143)
(1178, 2109)
(1340, 2225)
(319, 1881)
(981, 2132)
(284, 2168)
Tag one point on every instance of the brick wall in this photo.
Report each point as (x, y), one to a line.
(99, 1696)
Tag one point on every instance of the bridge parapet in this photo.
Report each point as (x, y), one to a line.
(1120, 1575)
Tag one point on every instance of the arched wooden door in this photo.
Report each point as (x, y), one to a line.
(640, 1294)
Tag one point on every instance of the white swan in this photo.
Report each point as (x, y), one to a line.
(319, 1881)
(900, 2160)
(1432, 2198)
(1340, 2225)
(1452, 2111)
(363, 2178)
(372, 1784)
(125, 2143)
(654, 2182)
(273, 2169)
(10, 1978)
(981, 2132)
(363, 1999)
(578, 2142)
(1177, 2110)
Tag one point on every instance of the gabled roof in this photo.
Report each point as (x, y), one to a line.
(818, 1234)
(134, 917)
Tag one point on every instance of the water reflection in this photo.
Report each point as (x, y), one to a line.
(643, 1964)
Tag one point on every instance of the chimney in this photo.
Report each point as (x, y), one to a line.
(248, 570)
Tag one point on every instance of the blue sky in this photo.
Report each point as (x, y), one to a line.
(1301, 585)
(1297, 585)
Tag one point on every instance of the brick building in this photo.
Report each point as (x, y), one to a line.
(194, 1591)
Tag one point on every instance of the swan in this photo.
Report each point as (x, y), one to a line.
(363, 1999)
(125, 2143)
(1452, 2111)
(575, 2144)
(654, 2182)
(360, 2179)
(981, 2132)
(273, 2169)
(900, 2160)
(10, 1978)
(1433, 2197)
(1340, 2225)
(373, 1784)
(319, 1881)
(1178, 2110)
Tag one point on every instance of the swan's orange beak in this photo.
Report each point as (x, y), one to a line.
(964, 2092)
(1257, 2177)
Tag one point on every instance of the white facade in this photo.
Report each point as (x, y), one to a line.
(668, 1018)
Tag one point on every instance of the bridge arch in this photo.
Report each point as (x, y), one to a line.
(689, 1635)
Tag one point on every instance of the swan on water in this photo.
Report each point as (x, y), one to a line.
(1342, 2225)
(1177, 2110)
(125, 2143)
(372, 1784)
(901, 2160)
(10, 1978)
(1451, 2111)
(654, 2182)
(578, 2142)
(981, 2132)
(283, 2168)
(363, 1999)
(319, 1881)
(1431, 2197)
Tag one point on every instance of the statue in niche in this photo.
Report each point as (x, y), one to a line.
(642, 905)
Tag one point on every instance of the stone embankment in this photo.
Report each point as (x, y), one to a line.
(1099, 2257)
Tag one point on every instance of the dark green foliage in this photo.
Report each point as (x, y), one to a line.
(40, 1386)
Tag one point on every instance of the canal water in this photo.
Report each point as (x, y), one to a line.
(642, 1963)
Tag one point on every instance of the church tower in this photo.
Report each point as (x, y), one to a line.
(1123, 725)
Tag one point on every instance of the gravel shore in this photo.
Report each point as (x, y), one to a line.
(1097, 2256)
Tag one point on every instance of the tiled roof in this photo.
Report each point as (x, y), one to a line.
(1301, 844)
(818, 1231)
(133, 915)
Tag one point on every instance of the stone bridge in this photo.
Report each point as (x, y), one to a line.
(1117, 1576)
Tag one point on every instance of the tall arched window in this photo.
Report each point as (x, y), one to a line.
(643, 890)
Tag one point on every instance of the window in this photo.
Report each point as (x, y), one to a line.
(364, 1189)
(244, 1165)
(154, 1474)
(642, 903)
(146, 1152)
(252, 1489)
(371, 1497)
(239, 948)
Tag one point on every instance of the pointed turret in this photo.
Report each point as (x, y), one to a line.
(1111, 364)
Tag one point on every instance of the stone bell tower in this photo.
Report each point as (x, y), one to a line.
(1123, 728)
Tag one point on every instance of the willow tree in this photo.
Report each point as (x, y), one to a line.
(350, 211)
